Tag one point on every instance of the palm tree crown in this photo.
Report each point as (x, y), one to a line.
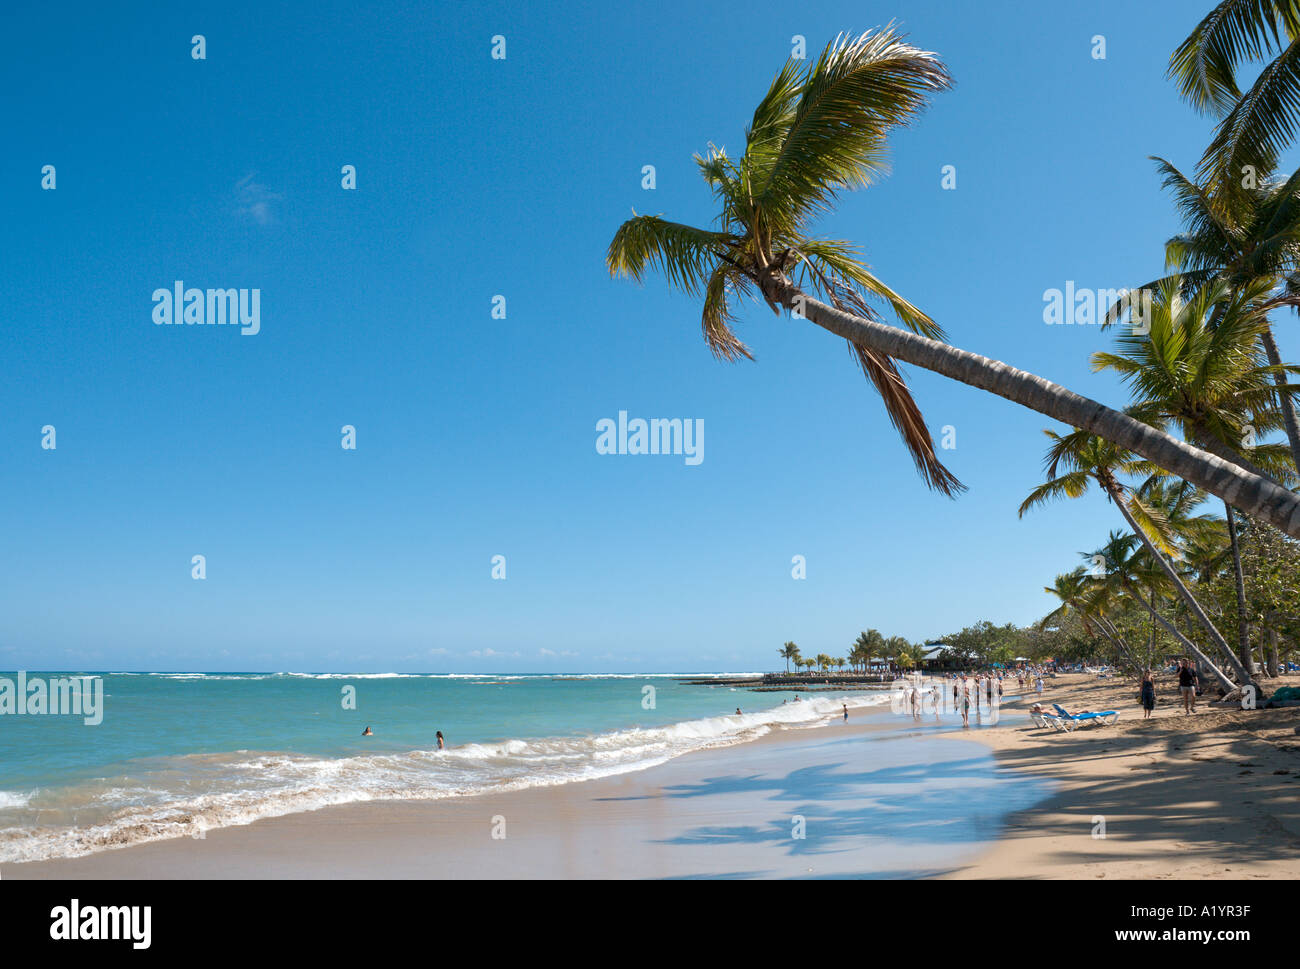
(820, 129)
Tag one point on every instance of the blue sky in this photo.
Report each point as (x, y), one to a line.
(476, 436)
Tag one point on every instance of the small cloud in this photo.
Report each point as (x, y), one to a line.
(256, 201)
(546, 652)
(439, 651)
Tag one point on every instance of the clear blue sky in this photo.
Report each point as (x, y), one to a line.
(476, 437)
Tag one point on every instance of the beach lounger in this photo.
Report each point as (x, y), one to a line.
(1105, 719)
(1049, 722)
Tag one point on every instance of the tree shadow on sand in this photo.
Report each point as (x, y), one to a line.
(1204, 789)
(951, 802)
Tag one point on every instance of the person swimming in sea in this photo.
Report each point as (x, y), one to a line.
(367, 732)
(441, 745)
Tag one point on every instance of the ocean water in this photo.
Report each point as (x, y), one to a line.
(179, 754)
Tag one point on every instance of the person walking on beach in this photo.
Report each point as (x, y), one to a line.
(965, 708)
(846, 712)
(1187, 686)
(1148, 695)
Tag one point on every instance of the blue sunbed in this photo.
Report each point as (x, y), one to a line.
(1106, 718)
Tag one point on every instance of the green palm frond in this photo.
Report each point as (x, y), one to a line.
(1069, 485)
(1261, 125)
(841, 260)
(1205, 63)
(684, 254)
(718, 316)
(849, 98)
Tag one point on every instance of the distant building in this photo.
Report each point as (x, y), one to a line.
(935, 658)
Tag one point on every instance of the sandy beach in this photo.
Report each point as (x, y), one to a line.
(1211, 795)
(1216, 795)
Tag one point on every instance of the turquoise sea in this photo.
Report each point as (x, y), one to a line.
(178, 754)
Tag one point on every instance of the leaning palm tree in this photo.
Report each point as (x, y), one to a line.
(1084, 459)
(1255, 125)
(789, 652)
(1174, 502)
(819, 130)
(1078, 595)
(1129, 568)
(1202, 366)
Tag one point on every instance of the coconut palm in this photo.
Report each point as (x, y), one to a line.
(819, 130)
(1201, 365)
(896, 648)
(868, 646)
(1080, 595)
(1198, 362)
(1173, 502)
(1255, 125)
(1084, 459)
(1242, 237)
(789, 652)
(1206, 555)
(1129, 568)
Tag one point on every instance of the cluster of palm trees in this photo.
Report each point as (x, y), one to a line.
(1207, 381)
(1204, 362)
(869, 646)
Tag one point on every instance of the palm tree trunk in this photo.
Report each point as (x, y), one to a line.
(1243, 627)
(1203, 661)
(1117, 641)
(1206, 441)
(1256, 496)
(1172, 575)
(1285, 401)
(1151, 641)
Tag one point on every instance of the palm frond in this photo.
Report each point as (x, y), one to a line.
(1204, 64)
(683, 253)
(849, 98)
(906, 416)
(1262, 123)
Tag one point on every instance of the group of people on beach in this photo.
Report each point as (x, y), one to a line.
(984, 686)
(969, 690)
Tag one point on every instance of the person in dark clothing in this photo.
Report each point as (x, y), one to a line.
(1148, 695)
(1187, 686)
